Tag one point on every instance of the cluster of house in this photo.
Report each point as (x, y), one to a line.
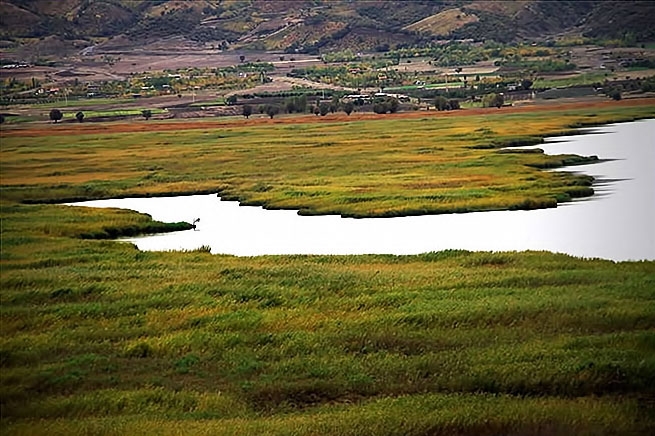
(368, 98)
(49, 91)
(12, 66)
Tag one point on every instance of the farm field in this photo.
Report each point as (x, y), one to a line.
(100, 338)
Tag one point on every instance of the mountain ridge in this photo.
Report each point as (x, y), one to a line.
(314, 26)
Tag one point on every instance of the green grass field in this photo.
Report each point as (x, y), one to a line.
(98, 338)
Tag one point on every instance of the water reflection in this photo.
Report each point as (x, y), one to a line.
(617, 223)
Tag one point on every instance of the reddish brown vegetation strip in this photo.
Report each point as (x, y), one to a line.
(150, 126)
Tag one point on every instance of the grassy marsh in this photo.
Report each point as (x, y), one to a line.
(385, 167)
(99, 338)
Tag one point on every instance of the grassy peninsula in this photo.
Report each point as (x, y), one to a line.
(100, 338)
(366, 166)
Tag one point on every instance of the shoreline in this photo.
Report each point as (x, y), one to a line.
(495, 151)
(583, 190)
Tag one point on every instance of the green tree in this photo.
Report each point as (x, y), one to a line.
(380, 108)
(296, 104)
(453, 104)
(56, 115)
(493, 100)
(231, 100)
(441, 103)
(615, 94)
(648, 85)
(247, 110)
(323, 109)
(348, 107)
(629, 39)
(334, 104)
(147, 113)
(301, 103)
(393, 105)
(79, 116)
(499, 100)
(272, 110)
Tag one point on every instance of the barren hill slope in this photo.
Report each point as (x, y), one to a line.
(318, 25)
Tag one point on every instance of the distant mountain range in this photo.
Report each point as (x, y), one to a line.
(313, 26)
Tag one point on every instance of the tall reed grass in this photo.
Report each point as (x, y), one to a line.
(99, 338)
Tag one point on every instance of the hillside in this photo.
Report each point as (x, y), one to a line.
(305, 26)
(443, 23)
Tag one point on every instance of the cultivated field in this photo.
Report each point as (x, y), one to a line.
(100, 338)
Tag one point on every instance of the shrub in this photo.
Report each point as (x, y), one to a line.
(615, 94)
(440, 103)
(491, 100)
(379, 108)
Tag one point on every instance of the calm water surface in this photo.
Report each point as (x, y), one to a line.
(617, 223)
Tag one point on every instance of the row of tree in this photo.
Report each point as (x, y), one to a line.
(56, 115)
(321, 109)
(299, 104)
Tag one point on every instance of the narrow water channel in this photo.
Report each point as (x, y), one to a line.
(617, 223)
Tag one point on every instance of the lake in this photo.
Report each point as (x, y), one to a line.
(617, 223)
